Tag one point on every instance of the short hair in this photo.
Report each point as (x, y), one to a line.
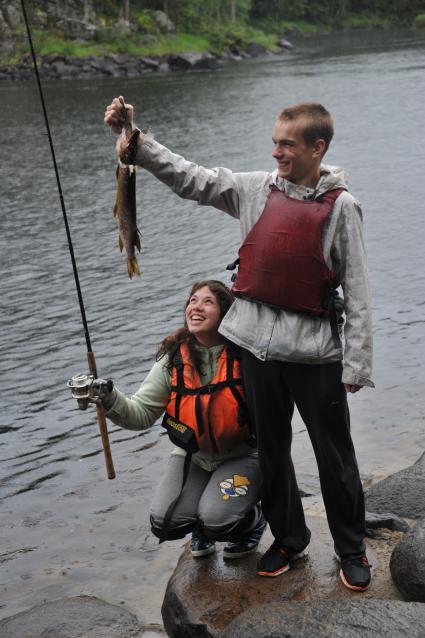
(318, 121)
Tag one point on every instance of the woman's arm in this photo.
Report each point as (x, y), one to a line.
(147, 404)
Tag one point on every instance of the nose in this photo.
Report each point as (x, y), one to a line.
(197, 305)
(277, 152)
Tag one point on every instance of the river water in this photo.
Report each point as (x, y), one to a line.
(65, 528)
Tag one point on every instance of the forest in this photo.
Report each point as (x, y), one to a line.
(191, 14)
(157, 28)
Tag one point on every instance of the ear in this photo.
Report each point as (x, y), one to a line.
(319, 147)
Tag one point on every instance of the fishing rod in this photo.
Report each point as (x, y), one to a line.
(90, 354)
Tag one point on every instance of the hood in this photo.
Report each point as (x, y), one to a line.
(331, 177)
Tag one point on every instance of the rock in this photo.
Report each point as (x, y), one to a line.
(387, 520)
(6, 39)
(402, 493)
(150, 63)
(73, 28)
(254, 49)
(192, 60)
(236, 52)
(408, 564)
(12, 16)
(205, 595)
(285, 44)
(72, 618)
(328, 619)
(163, 22)
(292, 31)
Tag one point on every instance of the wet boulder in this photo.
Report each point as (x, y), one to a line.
(150, 63)
(254, 49)
(192, 60)
(408, 564)
(402, 493)
(324, 618)
(283, 43)
(72, 618)
(205, 595)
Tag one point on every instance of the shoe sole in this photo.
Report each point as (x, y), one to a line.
(230, 556)
(287, 567)
(348, 585)
(345, 582)
(202, 552)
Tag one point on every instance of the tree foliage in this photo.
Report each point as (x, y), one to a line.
(331, 10)
(191, 15)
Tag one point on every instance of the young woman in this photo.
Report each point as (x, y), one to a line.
(211, 485)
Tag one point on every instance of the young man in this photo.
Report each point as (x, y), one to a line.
(302, 239)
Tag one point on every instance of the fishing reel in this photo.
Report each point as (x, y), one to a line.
(86, 389)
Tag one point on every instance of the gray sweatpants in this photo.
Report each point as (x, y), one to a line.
(222, 501)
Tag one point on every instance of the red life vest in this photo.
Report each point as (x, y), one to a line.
(281, 261)
(213, 417)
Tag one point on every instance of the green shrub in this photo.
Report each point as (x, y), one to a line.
(146, 24)
(225, 35)
(419, 21)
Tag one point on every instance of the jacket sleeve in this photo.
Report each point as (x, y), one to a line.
(146, 406)
(349, 252)
(216, 187)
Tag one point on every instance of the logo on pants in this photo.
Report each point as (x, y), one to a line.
(235, 486)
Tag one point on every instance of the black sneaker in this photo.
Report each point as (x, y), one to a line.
(277, 560)
(355, 572)
(248, 542)
(200, 545)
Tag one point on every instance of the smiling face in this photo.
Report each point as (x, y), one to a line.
(297, 161)
(203, 317)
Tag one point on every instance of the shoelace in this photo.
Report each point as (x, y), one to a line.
(356, 560)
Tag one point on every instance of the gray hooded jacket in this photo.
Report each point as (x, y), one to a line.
(276, 334)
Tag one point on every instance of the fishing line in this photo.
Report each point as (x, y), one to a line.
(55, 166)
(90, 354)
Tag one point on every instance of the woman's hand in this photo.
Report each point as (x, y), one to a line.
(118, 114)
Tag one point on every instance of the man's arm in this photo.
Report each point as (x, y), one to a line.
(216, 187)
(349, 251)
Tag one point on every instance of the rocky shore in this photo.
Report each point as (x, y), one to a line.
(212, 598)
(123, 65)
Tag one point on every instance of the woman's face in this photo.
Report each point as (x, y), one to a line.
(203, 316)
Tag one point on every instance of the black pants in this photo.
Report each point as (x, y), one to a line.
(272, 388)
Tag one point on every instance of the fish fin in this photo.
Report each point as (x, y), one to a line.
(115, 210)
(137, 241)
(133, 268)
(120, 243)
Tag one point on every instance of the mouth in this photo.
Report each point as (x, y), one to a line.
(283, 163)
(195, 318)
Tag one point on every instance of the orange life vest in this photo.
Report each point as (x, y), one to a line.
(213, 417)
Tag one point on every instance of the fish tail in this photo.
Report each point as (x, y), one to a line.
(133, 268)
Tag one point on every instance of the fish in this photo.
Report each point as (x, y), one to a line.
(125, 202)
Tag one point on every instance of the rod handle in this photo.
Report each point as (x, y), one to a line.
(102, 423)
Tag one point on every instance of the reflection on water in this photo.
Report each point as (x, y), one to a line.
(373, 83)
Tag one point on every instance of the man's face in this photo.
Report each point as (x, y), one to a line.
(296, 161)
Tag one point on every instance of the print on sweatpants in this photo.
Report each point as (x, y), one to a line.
(235, 486)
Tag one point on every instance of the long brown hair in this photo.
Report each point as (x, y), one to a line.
(170, 344)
